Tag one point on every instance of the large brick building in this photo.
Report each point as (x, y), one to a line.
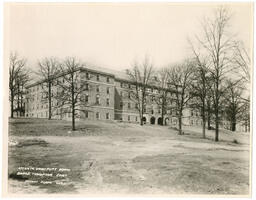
(108, 97)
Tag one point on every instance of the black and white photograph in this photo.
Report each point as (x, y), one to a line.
(128, 99)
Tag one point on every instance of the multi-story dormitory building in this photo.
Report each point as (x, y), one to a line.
(108, 97)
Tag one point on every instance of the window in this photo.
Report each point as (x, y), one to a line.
(107, 101)
(97, 99)
(98, 77)
(87, 75)
(98, 88)
(86, 98)
(121, 104)
(108, 79)
(136, 118)
(129, 105)
(121, 85)
(87, 86)
(97, 115)
(129, 95)
(107, 90)
(128, 117)
(121, 94)
(107, 115)
(129, 86)
(152, 111)
(86, 114)
(136, 106)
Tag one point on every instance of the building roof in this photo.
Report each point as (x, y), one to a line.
(117, 74)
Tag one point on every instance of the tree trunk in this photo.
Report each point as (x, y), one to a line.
(208, 117)
(73, 117)
(234, 126)
(180, 125)
(73, 105)
(217, 125)
(141, 114)
(50, 100)
(203, 117)
(162, 122)
(204, 122)
(141, 121)
(12, 99)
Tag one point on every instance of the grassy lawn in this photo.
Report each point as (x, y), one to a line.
(124, 158)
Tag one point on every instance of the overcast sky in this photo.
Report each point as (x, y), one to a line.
(112, 35)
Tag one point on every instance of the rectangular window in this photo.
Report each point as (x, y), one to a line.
(136, 118)
(87, 75)
(136, 106)
(107, 101)
(107, 115)
(86, 114)
(97, 115)
(121, 94)
(87, 86)
(107, 90)
(128, 117)
(97, 100)
(129, 95)
(108, 79)
(98, 77)
(121, 104)
(121, 85)
(86, 98)
(129, 105)
(98, 88)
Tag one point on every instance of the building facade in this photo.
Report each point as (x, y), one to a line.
(107, 97)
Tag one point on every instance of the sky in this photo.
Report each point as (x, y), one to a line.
(112, 35)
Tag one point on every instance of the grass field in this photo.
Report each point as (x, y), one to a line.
(123, 158)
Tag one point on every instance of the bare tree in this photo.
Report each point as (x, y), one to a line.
(141, 76)
(200, 85)
(71, 88)
(179, 80)
(17, 72)
(162, 84)
(218, 43)
(48, 70)
(234, 104)
(21, 81)
(242, 61)
(199, 90)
